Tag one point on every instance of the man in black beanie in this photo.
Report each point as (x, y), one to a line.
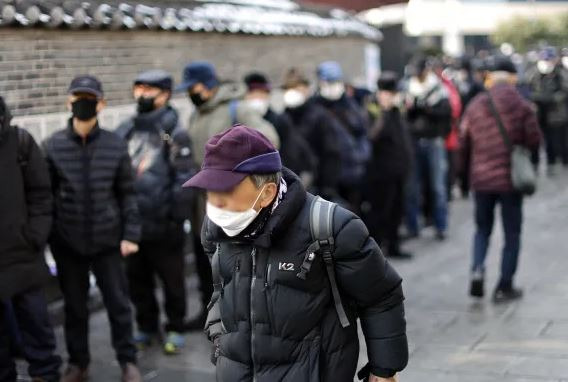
(388, 169)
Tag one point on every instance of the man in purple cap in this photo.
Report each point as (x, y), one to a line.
(285, 305)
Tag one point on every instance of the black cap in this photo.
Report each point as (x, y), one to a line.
(86, 84)
(388, 81)
(257, 81)
(503, 64)
(156, 78)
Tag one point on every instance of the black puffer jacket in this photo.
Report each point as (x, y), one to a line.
(95, 203)
(273, 326)
(294, 149)
(25, 211)
(352, 128)
(320, 131)
(162, 159)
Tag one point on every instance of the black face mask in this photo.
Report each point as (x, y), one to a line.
(197, 99)
(146, 104)
(84, 109)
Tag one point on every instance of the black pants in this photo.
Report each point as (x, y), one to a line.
(36, 335)
(108, 269)
(165, 260)
(386, 199)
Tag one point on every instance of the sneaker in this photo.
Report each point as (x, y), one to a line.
(502, 295)
(477, 283)
(74, 373)
(130, 373)
(441, 235)
(174, 343)
(144, 340)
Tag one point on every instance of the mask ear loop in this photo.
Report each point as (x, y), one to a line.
(258, 197)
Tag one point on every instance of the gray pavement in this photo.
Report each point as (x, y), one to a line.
(452, 338)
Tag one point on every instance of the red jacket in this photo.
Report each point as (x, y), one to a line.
(490, 157)
(456, 106)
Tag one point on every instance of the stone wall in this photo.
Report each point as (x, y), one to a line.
(36, 65)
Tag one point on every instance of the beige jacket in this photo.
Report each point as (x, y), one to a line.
(214, 117)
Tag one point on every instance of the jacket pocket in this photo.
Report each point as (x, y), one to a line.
(269, 297)
(236, 282)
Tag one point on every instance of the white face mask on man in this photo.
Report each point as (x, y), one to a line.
(294, 98)
(332, 90)
(259, 105)
(231, 222)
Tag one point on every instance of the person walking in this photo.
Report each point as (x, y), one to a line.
(292, 273)
(96, 224)
(491, 172)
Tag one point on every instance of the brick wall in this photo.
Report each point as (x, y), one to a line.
(36, 65)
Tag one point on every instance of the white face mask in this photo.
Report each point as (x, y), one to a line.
(259, 105)
(231, 222)
(545, 67)
(332, 91)
(294, 98)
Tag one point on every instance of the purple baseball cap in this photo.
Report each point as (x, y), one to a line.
(233, 155)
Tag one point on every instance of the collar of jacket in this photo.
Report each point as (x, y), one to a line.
(163, 119)
(226, 92)
(93, 134)
(278, 221)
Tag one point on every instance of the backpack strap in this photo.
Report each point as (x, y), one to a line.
(321, 228)
(233, 111)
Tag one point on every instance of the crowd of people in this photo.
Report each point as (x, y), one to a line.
(112, 203)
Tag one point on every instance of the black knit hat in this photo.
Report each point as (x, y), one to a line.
(503, 64)
(388, 81)
(257, 81)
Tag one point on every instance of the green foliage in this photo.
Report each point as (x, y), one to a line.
(525, 33)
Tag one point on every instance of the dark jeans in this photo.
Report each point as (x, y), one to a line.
(386, 200)
(430, 158)
(108, 269)
(512, 217)
(36, 335)
(166, 260)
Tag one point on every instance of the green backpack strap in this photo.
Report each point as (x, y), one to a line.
(321, 227)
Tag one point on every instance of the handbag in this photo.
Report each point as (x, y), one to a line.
(523, 173)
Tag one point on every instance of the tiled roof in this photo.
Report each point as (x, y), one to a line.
(259, 17)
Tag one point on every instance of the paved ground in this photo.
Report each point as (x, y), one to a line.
(452, 338)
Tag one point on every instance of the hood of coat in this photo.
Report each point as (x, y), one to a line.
(225, 92)
(280, 219)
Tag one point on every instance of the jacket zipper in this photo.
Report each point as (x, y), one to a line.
(236, 288)
(267, 293)
(87, 205)
(252, 325)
